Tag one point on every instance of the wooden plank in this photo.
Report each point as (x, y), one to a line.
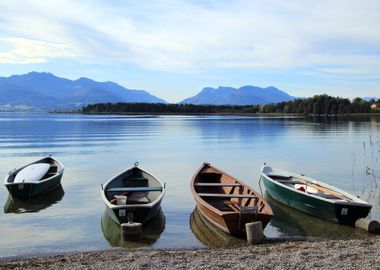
(134, 189)
(222, 195)
(217, 184)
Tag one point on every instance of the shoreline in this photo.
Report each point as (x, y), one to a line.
(302, 254)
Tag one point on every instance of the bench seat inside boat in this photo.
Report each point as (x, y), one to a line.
(217, 185)
(221, 195)
(134, 189)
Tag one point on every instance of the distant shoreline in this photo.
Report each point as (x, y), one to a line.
(216, 114)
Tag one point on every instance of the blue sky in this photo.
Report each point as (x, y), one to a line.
(175, 48)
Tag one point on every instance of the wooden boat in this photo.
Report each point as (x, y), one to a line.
(133, 196)
(227, 202)
(35, 178)
(313, 197)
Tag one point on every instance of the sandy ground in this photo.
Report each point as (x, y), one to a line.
(323, 254)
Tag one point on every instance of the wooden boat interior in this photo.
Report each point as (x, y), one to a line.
(54, 168)
(226, 193)
(138, 186)
(315, 189)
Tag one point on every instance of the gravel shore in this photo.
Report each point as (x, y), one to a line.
(323, 254)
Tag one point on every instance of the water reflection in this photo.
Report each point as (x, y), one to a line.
(290, 222)
(36, 204)
(209, 235)
(94, 148)
(151, 232)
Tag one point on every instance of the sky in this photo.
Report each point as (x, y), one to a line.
(175, 48)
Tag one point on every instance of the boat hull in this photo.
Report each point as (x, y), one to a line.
(139, 213)
(340, 212)
(29, 190)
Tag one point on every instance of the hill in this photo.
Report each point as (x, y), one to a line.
(246, 95)
(43, 91)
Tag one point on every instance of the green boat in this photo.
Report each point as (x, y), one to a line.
(313, 197)
(133, 196)
(35, 178)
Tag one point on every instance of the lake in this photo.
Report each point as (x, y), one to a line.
(94, 148)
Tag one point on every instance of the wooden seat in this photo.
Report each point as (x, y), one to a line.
(222, 195)
(134, 189)
(217, 185)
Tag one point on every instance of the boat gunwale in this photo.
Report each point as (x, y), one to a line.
(355, 201)
(58, 173)
(138, 205)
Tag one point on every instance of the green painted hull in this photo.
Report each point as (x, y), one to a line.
(30, 190)
(341, 212)
(140, 214)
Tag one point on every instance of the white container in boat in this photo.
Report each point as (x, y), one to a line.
(121, 200)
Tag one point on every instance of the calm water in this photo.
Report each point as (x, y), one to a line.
(95, 148)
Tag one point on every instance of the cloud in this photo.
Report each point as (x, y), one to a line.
(191, 36)
(26, 51)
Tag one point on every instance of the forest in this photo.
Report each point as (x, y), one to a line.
(322, 105)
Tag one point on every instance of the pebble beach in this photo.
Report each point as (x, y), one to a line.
(310, 254)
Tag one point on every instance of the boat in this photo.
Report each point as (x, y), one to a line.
(313, 197)
(133, 196)
(35, 178)
(227, 202)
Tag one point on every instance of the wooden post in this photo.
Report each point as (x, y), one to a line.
(371, 226)
(254, 231)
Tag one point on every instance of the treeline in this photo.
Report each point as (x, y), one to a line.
(321, 105)
(167, 108)
(317, 105)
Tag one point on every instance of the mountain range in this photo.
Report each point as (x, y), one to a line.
(44, 91)
(246, 95)
(41, 91)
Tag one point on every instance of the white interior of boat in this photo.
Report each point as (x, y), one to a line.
(308, 185)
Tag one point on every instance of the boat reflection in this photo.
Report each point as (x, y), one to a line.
(151, 232)
(290, 222)
(210, 235)
(35, 204)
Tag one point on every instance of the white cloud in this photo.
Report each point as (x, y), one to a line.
(26, 51)
(184, 36)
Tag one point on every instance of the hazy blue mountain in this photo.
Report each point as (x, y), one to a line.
(44, 91)
(245, 95)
